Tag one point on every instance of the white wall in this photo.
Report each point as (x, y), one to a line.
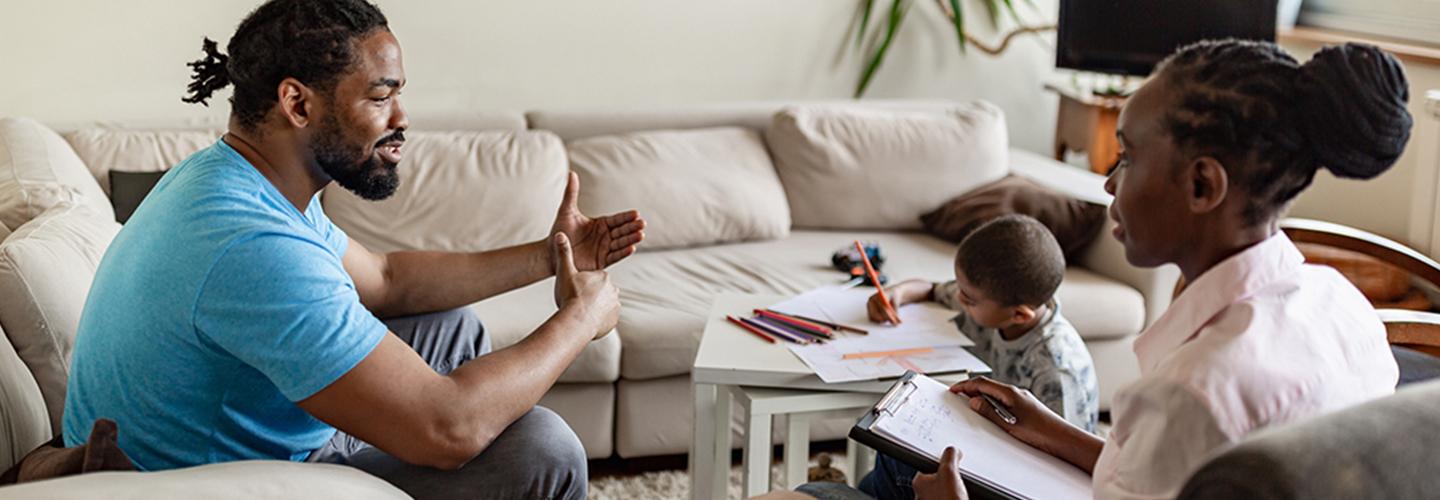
(68, 61)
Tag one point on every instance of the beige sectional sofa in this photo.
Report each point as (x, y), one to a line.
(741, 198)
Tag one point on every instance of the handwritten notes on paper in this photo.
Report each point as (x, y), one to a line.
(922, 326)
(933, 418)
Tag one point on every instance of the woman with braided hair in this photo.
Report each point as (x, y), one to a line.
(1215, 147)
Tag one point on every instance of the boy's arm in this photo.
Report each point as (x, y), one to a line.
(946, 294)
(1063, 392)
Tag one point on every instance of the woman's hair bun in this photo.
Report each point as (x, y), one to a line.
(1351, 102)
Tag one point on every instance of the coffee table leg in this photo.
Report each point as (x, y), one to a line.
(709, 477)
(757, 453)
(797, 450)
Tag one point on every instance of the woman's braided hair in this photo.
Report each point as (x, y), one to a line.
(1274, 122)
(309, 40)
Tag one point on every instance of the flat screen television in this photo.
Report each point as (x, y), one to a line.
(1132, 36)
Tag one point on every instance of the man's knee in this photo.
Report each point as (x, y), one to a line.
(444, 339)
(555, 458)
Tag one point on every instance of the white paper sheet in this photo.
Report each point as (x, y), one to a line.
(922, 326)
(933, 418)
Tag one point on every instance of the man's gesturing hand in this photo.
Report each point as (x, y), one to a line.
(598, 242)
(591, 291)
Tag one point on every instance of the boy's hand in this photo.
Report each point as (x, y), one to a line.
(945, 483)
(904, 292)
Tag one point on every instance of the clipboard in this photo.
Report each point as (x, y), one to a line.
(905, 389)
(894, 398)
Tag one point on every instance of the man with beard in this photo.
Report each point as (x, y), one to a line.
(231, 320)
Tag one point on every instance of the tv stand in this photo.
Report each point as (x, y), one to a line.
(1086, 123)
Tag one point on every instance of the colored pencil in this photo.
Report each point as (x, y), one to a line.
(751, 329)
(807, 326)
(776, 332)
(832, 325)
(875, 278)
(887, 354)
(791, 329)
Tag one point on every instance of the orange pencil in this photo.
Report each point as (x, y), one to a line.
(798, 323)
(875, 278)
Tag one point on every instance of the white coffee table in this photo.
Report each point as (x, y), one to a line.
(734, 362)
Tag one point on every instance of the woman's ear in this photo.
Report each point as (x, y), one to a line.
(1208, 184)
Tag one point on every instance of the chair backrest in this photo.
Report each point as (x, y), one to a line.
(1381, 449)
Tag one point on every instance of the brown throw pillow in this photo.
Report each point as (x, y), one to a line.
(52, 459)
(1073, 222)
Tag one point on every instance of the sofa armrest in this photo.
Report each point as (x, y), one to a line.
(24, 422)
(233, 480)
(1105, 256)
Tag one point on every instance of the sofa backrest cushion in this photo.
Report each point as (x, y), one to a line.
(461, 191)
(106, 150)
(573, 124)
(849, 168)
(46, 268)
(693, 187)
(39, 170)
(24, 422)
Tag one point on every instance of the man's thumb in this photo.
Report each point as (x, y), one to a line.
(564, 257)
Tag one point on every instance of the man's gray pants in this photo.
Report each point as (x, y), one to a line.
(538, 456)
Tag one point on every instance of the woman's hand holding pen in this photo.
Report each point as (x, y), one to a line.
(1033, 421)
(905, 292)
(1035, 424)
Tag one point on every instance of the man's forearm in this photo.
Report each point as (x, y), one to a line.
(421, 282)
(489, 393)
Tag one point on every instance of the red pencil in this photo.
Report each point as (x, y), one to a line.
(796, 322)
(751, 329)
(875, 278)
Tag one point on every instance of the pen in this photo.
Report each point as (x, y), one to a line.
(1005, 414)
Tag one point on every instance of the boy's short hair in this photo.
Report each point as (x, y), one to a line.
(1013, 259)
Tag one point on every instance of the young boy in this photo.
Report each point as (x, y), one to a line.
(1006, 274)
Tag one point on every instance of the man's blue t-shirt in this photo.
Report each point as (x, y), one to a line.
(218, 306)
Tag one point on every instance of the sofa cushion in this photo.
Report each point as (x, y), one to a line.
(46, 268)
(39, 170)
(1074, 223)
(24, 423)
(667, 294)
(461, 191)
(694, 187)
(855, 168)
(511, 316)
(106, 150)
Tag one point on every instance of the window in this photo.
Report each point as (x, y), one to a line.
(1413, 20)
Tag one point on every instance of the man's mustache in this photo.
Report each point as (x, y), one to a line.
(398, 136)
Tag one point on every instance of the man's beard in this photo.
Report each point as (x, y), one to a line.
(372, 178)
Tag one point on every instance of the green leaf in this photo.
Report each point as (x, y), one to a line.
(1010, 6)
(868, 5)
(993, 7)
(959, 24)
(898, 9)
